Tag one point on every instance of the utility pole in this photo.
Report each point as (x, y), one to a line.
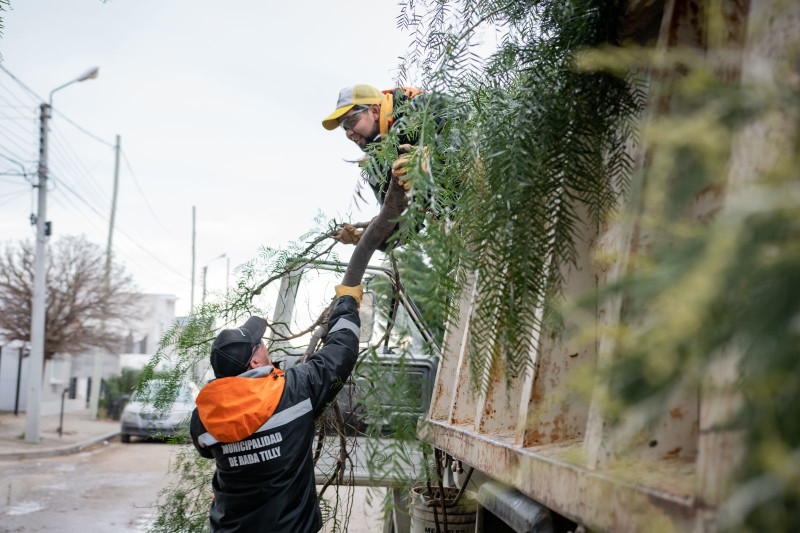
(194, 236)
(203, 297)
(36, 362)
(97, 375)
(33, 409)
(113, 211)
(205, 274)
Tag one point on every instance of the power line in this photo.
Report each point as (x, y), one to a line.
(31, 91)
(39, 99)
(32, 105)
(14, 196)
(11, 106)
(124, 233)
(84, 130)
(71, 158)
(83, 213)
(65, 117)
(74, 207)
(62, 166)
(139, 188)
(15, 161)
(12, 140)
(25, 186)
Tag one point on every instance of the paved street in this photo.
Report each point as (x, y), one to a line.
(110, 488)
(106, 488)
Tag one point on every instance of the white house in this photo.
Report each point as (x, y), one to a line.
(155, 313)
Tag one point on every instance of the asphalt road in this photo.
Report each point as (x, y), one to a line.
(112, 487)
(107, 488)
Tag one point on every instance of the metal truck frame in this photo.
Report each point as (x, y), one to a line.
(532, 432)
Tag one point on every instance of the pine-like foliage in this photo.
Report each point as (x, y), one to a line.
(529, 140)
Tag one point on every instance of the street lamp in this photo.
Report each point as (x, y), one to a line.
(205, 271)
(88, 75)
(36, 361)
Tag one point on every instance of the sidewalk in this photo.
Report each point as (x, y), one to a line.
(79, 433)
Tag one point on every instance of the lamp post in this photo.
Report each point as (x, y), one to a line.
(36, 362)
(205, 271)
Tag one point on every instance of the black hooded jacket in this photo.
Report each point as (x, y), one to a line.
(259, 427)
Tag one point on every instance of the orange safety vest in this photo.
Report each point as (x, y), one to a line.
(385, 118)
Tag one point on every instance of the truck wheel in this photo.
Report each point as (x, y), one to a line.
(124, 437)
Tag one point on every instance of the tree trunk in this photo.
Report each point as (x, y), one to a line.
(377, 232)
(379, 229)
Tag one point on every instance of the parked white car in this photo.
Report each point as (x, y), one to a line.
(142, 420)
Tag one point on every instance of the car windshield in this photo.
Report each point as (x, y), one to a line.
(156, 387)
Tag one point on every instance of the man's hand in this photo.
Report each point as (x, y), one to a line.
(347, 234)
(400, 166)
(356, 292)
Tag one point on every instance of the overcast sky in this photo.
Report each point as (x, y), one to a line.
(218, 105)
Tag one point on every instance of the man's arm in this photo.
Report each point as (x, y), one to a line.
(328, 368)
(196, 429)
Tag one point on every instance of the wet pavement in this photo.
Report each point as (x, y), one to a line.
(104, 488)
(86, 480)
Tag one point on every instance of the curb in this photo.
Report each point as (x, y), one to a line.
(61, 450)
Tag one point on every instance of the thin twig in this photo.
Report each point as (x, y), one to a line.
(437, 457)
(320, 442)
(330, 480)
(430, 493)
(295, 268)
(343, 455)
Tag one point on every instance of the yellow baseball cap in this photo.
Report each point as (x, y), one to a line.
(349, 97)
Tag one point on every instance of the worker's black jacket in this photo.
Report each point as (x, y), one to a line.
(265, 480)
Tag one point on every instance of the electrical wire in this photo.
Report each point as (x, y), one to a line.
(141, 192)
(120, 230)
(25, 149)
(39, 99)
(15, 161)
(33, 105)
(84, 130)
(30, 91)
(25, 188)
(122, 253)
(14, 196)
(67, 157)
(59, 167)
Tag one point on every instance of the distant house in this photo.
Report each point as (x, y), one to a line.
(154, 315)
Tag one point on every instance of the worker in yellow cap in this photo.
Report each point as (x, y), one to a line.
(366, 114)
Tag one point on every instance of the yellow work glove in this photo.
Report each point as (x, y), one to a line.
(355, 292)
(347, 234)
(399, 167)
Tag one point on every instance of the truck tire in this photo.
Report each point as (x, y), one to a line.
(124, 437)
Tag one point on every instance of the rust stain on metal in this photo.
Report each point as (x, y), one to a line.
(687, 26)
(674, 452)
(676, 413)
(533, 437)
(559, 427)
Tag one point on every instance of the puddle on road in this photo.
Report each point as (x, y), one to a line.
(25, 507)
